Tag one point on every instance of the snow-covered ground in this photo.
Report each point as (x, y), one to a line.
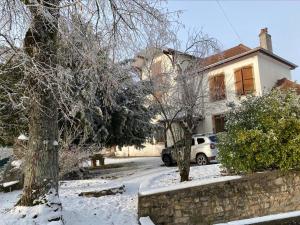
(5, 152)
(120, 209)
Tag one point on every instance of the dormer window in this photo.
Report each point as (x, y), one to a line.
(244, 81)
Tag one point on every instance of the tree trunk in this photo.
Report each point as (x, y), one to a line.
(184, 160)
(41, 169)
(184, 157)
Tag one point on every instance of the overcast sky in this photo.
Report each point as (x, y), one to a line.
(242, 23)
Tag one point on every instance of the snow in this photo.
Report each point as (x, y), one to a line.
(120, 209)
(8, 200)
(263, 218)
(26, 215)
(170, 181)
(146, 221)
(7, 184)
(187, 185)
(23, 137)
(5, 152)
(19, 215)
(16, 163)
(106, 210)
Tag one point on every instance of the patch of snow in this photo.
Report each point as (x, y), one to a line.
(187, 185)
(199, 175)
(55, 143)
(10, 183)
(39, 214)
(8, 200)
(119, 209)
(16, 163)
(146, 221)
(263, 218)
(5, 152)
(23, 137)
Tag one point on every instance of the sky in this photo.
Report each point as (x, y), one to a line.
(240, 21)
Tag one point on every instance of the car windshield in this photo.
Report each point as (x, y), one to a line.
(213, 138)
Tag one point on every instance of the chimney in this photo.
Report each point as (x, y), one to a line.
(265, 39)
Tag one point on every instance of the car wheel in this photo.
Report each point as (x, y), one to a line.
(201, 159)
(167, 160)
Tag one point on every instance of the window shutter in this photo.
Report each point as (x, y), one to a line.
(220, 87)
(219, 123)
(238, 82)
(217, 87)
(248, 80)
(212, 88)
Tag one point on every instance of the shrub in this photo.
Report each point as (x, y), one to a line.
(262, 133)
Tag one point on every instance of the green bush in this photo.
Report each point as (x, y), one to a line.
(262, 133)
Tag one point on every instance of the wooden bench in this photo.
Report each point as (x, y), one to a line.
(10, 186)
(97, 157)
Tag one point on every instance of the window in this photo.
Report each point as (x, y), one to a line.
(213, 138)
(244, 80)
(193, 141)
(200, 141)
(217, 87)
(219, 123)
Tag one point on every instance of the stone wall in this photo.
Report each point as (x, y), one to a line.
(251, 196)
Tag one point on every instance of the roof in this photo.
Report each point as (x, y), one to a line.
(239, 52)
(235, 53)
(285, 84)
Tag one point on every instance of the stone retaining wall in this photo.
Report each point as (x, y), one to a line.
(251, 196)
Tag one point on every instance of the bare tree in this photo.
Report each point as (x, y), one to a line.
(35, 30)
(181, 90)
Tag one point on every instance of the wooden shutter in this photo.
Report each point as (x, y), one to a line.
(212, 88)
(219, 123)
(248, 80)
(217, 87)
(220, 87)
(238, 82)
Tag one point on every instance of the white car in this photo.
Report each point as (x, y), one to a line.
(203, 150)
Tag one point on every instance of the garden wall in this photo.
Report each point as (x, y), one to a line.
(251, 196)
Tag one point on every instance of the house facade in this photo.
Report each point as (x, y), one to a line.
(229, 77)
(237, 72)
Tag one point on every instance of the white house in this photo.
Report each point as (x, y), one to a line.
(238, 71)
(230, 75)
